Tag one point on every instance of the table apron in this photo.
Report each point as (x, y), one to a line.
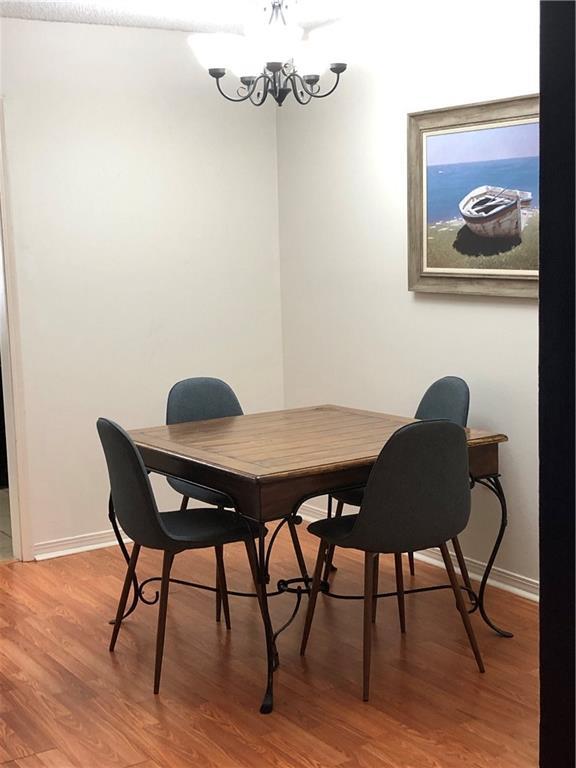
(483, 460)
(244, 492)
(272, 499)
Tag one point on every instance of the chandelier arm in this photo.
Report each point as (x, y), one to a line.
(318, 95)
(240, 98)
(265, 89)
(297, 96)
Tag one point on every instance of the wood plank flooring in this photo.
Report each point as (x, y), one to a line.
(66, 702)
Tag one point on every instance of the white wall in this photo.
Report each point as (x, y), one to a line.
(144, 211)
(353, 334)
(145, 245)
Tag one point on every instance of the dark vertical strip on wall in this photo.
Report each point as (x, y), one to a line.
(557, 425)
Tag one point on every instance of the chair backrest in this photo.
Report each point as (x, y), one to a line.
(418, 493)
(448, 398)
(201, 398)
(132, 496)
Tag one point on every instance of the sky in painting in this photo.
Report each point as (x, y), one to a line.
(508, 141)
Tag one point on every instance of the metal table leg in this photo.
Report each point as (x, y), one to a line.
(283, 586)
(493, 484)
(293, 521)
(271, 651)
(125, 553)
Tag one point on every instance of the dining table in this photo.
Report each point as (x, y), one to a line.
(270, 463)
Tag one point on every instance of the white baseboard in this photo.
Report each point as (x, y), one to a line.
(499, 578)
(74, 544)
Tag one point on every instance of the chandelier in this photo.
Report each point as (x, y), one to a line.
(270, 59)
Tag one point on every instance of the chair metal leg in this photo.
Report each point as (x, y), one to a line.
(400, 590)
(369, 558)
(162, 611)
(184, 504)
(411, 563)
(461, 606)
(375, 587)
(330, 553)
(314, 589)
(461, 563)
(298, 550)
(222, 589)
(124, 594)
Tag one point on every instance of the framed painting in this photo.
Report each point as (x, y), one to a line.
(473, 205)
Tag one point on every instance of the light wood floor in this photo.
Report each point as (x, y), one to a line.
(65, 702)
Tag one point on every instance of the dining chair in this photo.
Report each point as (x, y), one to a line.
(447, 398)
(198, 399)
(417, 497)
(170, 532)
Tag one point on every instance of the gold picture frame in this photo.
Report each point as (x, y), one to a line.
(473, 198)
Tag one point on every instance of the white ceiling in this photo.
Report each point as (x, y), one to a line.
(186, 15)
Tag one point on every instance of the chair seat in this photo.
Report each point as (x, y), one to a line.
(352, 496)
(198, 493)
(208, 527)
(333, 529)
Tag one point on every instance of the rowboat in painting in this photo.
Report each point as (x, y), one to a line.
(494, 211)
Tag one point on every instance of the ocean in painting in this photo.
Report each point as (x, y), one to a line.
(448, 184)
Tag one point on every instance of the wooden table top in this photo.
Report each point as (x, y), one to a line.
(268, 446)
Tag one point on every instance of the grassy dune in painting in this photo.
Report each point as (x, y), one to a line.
(445, 239)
